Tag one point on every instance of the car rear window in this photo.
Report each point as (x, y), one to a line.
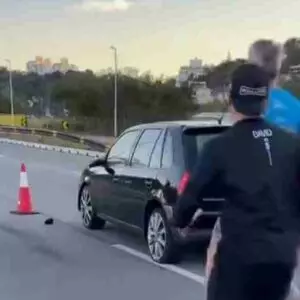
(194, 139)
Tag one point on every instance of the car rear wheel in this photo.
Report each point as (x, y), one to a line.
(88, 215)
(161, 244)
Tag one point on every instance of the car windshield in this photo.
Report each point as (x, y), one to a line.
(194, 141)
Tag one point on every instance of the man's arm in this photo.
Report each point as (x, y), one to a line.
(204, 174)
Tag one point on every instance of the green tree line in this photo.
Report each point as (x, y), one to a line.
(89, 97)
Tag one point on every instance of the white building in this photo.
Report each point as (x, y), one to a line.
(191, 73)
(31, 67)
(192, 76)
(202, 94)
(43, 66)
(73, 68)
(131, 72)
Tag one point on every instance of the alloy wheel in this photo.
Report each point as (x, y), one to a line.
(86, 207)
(157, 236)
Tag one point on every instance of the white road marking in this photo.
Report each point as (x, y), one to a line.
(178, 270)
(172, 268)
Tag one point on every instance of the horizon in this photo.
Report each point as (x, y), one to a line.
(109, 68)
(151, 35)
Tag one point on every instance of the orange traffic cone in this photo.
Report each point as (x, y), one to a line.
(24, 206)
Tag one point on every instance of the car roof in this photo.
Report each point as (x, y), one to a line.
(197, 121)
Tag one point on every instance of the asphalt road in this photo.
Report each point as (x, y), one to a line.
(65, 261)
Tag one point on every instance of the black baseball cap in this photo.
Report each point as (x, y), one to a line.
(249, 89)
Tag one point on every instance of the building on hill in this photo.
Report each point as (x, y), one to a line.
(44, 66)
(193, 77)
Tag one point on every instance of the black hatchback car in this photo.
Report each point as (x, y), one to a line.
(139, 179)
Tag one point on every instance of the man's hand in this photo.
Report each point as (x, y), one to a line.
(196, 215)
(183, 232)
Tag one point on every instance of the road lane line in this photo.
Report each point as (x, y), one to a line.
(172, 268)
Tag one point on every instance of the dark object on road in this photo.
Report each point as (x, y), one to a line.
(138, 181)
(49, 221)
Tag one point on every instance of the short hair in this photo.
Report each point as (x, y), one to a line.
(268, 54)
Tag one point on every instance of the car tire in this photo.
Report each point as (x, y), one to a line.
(88, 214)
(161, 244)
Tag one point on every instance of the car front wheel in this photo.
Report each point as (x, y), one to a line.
(88, 215)
(161, 244)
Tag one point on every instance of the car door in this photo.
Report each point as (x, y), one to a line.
(138, 179)
(107, 186)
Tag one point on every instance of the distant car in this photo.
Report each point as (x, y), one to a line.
(139, 179)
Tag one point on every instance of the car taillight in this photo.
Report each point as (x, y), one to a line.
(183, 182)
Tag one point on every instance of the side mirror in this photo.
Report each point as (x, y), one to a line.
(110, 170)
(102, 162)
(99, 162)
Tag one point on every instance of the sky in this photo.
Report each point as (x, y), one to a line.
(156, 35)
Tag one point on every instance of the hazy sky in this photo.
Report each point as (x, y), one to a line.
(157, 35)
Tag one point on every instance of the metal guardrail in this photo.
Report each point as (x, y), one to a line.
(62, 135)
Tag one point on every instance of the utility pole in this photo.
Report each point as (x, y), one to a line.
(11, 93)
(115, 91)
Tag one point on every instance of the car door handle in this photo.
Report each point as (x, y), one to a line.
(115, 179)
(148, 183)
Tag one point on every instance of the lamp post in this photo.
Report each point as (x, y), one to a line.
(114, 49)
(11, 92)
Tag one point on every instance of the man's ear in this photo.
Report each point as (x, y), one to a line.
(230, 106)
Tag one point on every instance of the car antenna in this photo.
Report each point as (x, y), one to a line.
(223, 112)
(226, 106)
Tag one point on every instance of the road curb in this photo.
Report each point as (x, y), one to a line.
(67, 150)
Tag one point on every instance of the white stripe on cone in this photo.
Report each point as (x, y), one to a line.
(23, 180)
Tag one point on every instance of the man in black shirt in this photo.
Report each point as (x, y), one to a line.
(256, 166)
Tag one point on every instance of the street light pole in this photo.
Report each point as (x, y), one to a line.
(11, 92)
(116, 91)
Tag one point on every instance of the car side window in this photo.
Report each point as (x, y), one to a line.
(155, 161)
(167, 159)
(121, 150)
(144, 148)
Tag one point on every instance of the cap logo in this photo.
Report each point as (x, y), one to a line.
(249, 91)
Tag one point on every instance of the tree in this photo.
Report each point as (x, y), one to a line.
(220, 75)
(293, 86)
(292, 51)
(140, 99)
